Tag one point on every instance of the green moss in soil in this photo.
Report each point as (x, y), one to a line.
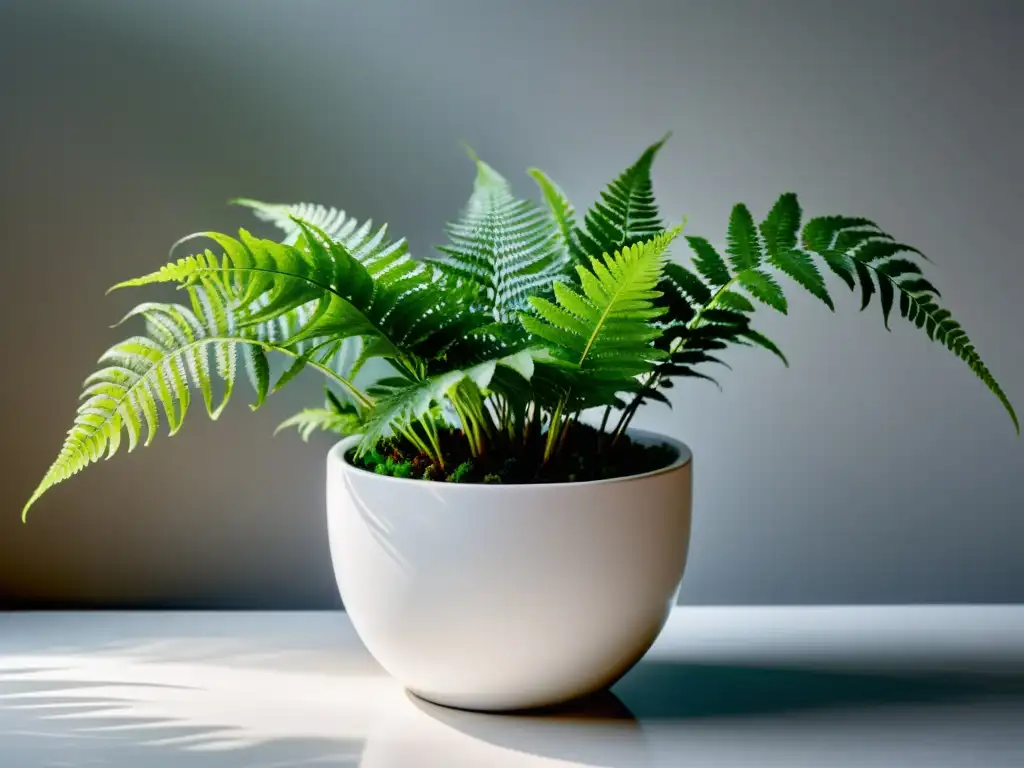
(585, 455)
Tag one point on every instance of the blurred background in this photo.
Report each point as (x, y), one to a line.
(876, 469)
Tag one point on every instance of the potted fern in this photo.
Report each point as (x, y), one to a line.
(501, 537)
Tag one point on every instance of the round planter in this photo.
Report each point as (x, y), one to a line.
(505, 597)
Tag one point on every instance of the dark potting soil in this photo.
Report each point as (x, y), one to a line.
(586, 454)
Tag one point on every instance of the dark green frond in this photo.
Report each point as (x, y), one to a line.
(763, 287)
(819, 233)
(864, 255)
(686, 283)
(780, 229)
(781, 226)
(708, 262)
(799, 266)
(760, 340)
(625, 215)
(734, 300)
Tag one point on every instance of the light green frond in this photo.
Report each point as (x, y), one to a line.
(563, 214)
(606, 332)
(335, 417)
(142, 376)
(309, 420)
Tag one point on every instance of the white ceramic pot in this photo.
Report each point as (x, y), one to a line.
(503, 597)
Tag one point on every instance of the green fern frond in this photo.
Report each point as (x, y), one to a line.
(606, 332)
(359, 238)
(184, 346)
(862, 254)
(507, 247)
(856, 249)
(398, 306)
(625, 215)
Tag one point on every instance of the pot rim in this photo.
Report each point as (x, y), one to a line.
(336, 455)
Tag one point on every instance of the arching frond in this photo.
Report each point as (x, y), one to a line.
(855, 249)
(861, 253)
(184, 346)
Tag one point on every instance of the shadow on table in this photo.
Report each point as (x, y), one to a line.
(596, 731)
(667, 690)
(608, 729)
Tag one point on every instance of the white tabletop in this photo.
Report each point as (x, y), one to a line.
(894, 686)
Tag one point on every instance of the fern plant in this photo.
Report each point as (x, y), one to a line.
(527, 321)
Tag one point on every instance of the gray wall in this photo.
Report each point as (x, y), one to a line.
(876, 469)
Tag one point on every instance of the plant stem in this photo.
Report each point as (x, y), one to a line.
(428, 427)
(566, 430)
(554, 428)
(627, 416)
(467, 424)
(654, 378)
(409, 433)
